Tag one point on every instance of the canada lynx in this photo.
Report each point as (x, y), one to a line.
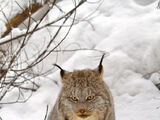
(84, 96)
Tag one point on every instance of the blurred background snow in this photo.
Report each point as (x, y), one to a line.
(129, 30)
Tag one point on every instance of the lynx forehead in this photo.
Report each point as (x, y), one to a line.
(83, 78)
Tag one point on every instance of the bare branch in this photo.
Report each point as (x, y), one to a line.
(45, 118)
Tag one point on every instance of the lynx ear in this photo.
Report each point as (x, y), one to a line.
(99, 70)
(100, 66)
(62, 73)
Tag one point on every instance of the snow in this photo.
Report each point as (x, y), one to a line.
(10, 8)
(129, 31)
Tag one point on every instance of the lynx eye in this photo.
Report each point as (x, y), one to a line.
(91, 97)
(73, 98)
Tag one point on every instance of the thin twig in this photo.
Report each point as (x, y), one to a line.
(45, 118)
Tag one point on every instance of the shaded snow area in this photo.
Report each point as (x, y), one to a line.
(129, 30)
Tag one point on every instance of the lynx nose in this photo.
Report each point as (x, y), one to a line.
(82, 111)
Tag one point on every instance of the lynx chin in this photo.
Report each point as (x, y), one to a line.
(84, 96)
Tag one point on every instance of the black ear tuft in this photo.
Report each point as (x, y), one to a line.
(62, 71)
(100, 67)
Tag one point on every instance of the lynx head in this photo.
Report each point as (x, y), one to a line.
(83, 93)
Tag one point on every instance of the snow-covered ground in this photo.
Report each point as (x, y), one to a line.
(130, 31)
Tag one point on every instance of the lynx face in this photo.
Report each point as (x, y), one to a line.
(84, 96)
(83, 93)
